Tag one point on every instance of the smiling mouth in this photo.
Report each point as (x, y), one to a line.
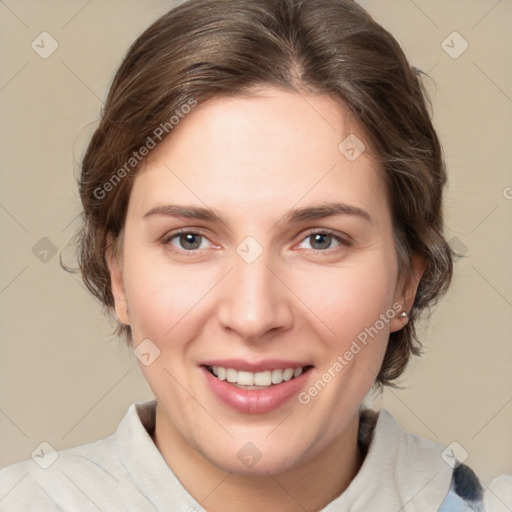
(256, 380)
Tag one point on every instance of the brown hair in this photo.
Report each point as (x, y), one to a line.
(206, 48)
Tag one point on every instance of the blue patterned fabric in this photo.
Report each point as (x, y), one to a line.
(466, 492)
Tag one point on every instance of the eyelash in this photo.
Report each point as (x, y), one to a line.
(342, 241)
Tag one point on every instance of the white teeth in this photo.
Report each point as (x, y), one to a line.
(231, 375)
(277, 376)
(288, 374)
(246, 378)
(263, 379)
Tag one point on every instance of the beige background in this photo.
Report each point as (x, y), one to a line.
(66, 380)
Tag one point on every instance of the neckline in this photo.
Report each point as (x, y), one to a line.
(395, 463)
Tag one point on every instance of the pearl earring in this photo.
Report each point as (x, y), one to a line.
(404, 315)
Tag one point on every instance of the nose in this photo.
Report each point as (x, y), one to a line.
(255, 300)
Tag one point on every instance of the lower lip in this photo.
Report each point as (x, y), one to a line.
(254, 401)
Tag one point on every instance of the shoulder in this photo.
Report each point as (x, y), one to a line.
(417, 458)
(423, 471)
(87, 477)
(50, 479)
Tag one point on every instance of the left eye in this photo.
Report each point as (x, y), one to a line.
(188, 240)
(323, 239)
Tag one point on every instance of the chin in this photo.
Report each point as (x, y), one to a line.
(258, 457)
(261, 465)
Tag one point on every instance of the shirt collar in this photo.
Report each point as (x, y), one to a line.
(401, 471)
(144, 462)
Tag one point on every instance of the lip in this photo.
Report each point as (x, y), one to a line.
(261, 366)
(253, 401)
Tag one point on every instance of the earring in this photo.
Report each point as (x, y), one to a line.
(404, 315)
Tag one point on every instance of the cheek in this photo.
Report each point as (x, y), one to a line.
(350, 298)
(164, 299)
(169, 301)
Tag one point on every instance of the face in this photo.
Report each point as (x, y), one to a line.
(230, 266)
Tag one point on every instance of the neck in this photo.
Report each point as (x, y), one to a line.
(310, 485)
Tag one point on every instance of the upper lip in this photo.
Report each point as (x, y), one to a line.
(255, 366)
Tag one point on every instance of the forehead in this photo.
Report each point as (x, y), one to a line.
(271, 150)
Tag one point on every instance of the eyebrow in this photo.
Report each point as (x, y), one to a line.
(294, 215)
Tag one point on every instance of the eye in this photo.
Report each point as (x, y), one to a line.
(321, 241)
(186, 240)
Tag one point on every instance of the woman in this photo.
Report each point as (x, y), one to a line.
(263, 212)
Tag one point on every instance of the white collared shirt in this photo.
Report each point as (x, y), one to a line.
(126, 472)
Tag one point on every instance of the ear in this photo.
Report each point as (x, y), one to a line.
(114, 262)
(407, 291)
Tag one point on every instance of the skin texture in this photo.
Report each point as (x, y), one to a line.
(252, 159)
